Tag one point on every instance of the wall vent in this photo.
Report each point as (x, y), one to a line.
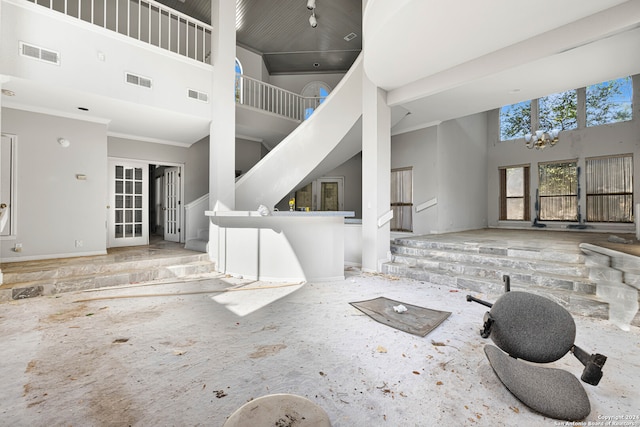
(39, 53)
(137, 80)
(200, 96)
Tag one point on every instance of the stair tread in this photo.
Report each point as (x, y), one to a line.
(517, 285)
(582, 279)
(9, 284)
(431, 251)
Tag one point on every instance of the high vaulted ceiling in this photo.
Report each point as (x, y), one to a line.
(279, 30)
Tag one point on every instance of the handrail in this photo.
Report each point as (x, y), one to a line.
(144, 20)
(264, 96)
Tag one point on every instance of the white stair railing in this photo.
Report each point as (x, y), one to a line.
(144, 20)
(258, 94)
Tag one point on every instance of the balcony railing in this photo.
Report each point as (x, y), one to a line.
(153, 23)
(257, 94)
(143, 20)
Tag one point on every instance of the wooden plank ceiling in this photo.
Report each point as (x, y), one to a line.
(279, 30)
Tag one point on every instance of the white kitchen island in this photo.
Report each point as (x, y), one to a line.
(282, 246)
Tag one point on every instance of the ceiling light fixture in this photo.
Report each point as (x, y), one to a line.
(311, 4)
(312, 20)
(541, 139)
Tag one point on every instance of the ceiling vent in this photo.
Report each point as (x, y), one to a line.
(39, 53)
(200, 96)
(134, 79)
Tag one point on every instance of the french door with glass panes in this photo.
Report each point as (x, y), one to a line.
(128, 216)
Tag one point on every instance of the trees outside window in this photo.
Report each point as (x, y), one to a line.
(515, 120)
(609, 102)
(558, 111)
(605, 103)
(558, 191)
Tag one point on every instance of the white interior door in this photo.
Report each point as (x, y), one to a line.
(7, 153)
(128, 216)
(172, 204)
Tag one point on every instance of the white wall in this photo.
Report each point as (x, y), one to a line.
(449, 164)
(53, 208)
(462, 174)
(418, 150)
(252, 64)
(619, 138)
(248, 153)
(78, 43)
(194, 158)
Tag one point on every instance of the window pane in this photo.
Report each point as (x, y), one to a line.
(558, 191)
(515, 120)
(515, 209)
(558, 179)
(609, 102)
(515, 182)
(610, 189)
(558, 111)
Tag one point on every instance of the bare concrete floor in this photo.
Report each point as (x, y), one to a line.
(80, 359)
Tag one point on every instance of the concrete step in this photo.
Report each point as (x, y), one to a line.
(577, 303)
(495, 248)
(72, 277)
(518, 260)
(561, 276)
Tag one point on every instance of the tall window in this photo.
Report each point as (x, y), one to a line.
(402, 199)
(514, 193)
(610, 189)
(558, 191)
(515, 120)
(606, 102)
(238, 81)
(558, 111)
(609, 102)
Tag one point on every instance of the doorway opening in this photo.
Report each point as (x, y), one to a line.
(323, 194)
(145, 202)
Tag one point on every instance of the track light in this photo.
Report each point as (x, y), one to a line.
(313, 21)
(311, 4)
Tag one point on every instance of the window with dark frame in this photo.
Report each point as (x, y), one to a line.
(402, 199)
(610, 188)
(558, 190)
(514, 193)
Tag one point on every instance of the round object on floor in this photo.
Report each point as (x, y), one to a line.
(282, 410)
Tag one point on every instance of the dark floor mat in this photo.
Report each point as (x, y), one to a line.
(416, 320)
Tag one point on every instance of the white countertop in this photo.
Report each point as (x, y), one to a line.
(255, 214)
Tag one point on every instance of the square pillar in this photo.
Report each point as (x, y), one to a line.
(376, 176)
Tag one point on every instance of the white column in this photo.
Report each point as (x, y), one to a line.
(222, 134)
(222, 142)
(376, 176)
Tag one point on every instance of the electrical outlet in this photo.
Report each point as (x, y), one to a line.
(78, 243)
(17, 247)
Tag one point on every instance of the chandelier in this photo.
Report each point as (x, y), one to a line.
(541, 139)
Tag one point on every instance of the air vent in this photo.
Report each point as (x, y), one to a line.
(39, 53)
(200, 96)
(134, 79)
(350, 36)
